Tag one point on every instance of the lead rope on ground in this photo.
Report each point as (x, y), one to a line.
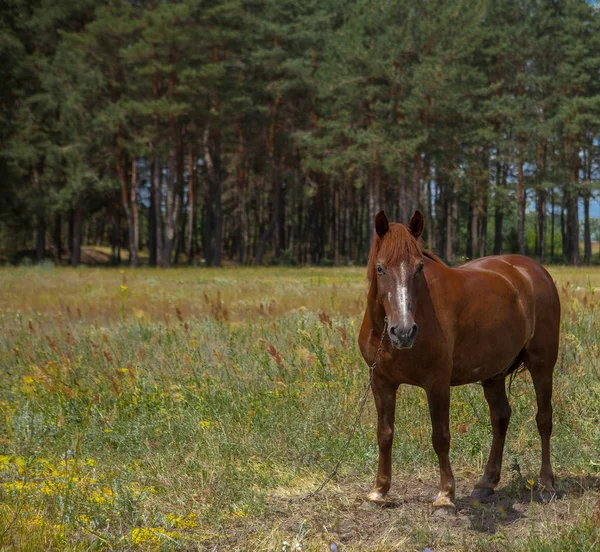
(359, 414)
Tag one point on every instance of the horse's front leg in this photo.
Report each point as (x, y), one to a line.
(439, 409)
(385, 401)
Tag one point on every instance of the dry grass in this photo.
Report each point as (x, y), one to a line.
(234, 294)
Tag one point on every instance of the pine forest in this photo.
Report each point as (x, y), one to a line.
(272, 131)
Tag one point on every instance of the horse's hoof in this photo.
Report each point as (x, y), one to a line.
(443, 506)
(375, 498)
(481, 493)
(444, 511)
(369, 505)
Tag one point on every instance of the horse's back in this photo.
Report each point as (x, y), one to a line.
(535, 286)
(506, 304)
(520, 270)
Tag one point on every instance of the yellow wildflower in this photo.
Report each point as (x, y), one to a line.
(188, 522)
(19, 462)
(102, 495)
(142, 535)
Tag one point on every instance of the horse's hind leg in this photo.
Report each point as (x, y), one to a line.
(540, 367)
(494, 390)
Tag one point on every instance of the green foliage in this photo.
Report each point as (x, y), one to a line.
(366, 102)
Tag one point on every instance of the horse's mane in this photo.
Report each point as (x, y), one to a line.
(397, 244)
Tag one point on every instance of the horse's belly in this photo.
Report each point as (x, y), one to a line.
(474, 372)
(489, 349)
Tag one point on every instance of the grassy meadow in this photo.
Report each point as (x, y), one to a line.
(183, 409)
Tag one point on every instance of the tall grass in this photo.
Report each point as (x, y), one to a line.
(164, 409)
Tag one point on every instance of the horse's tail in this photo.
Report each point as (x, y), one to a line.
(516, 367)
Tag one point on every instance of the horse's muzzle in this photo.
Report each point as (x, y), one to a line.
(403, 338)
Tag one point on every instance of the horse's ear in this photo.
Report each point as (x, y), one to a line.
(416, 224)
(381, 224)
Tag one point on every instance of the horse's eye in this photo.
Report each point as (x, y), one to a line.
(420, 268)
(379, 270)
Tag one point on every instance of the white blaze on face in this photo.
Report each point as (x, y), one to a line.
(402, 295)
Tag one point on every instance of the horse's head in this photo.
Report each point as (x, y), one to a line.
(396, 269)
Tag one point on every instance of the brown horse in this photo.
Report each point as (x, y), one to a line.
(451, 326)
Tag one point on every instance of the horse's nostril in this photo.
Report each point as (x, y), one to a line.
(404, 334)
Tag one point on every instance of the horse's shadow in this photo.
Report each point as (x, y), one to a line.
(517, 499)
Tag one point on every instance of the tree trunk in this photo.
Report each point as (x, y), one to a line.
(85, 240)
(157, 192)
(125, 198)
(587, 234)
(430, 221)
(70, 218)
(403, 204)
(57, 237)
(278, 241)
(77, 222)
(189, 247)
(498, 220)
(115, 232)
(572, 221)
(99, 231)
(152, 260)
(552, 227)
(40, 239)
(441, 214)
(320, 224)
(371, 209)
(208, 219)
(300, 222)
(135, 213)
(573, 255)
(475, 217)
(315, 225)
(263, 242)
(361, 216)
(416, 187)
(449, 231)
(563, 226)
(212, 159)
(180, 241)
(469, 247)
(172, 200)
(483, 207)
(452, 257)
(174, 171)
(521, 197)
(499, 206)
(347, 224)
(450, 228)
(541, 201)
